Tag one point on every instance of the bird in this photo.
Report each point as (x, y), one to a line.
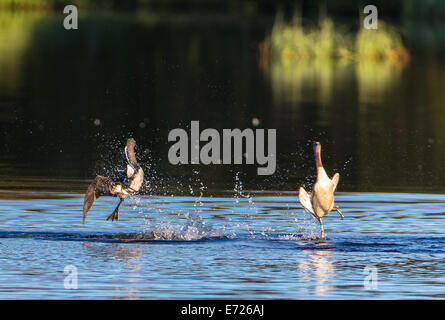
(128, 184)
(320, 201)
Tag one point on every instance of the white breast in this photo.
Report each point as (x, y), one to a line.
(130, 171)
(138, 178)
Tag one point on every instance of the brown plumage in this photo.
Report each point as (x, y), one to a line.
(320, 201)
(129, 184)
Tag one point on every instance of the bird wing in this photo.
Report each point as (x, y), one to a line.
(90, 197)
(100, 186)
(334, 181)
(305, 200)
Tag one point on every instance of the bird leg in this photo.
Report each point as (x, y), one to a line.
(339, 212)
(322, 229)
(115, 214)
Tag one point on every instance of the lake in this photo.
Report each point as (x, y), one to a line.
(69, 100)
(258, 246)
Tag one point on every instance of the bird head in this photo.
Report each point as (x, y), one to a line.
(131, 143)
(317, 146)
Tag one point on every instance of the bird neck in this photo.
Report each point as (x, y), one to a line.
(131, 156)
(321, 173)
(318, 159)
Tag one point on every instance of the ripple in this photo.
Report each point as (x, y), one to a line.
(146, 236)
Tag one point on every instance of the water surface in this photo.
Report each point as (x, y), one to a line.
(69, 100)
(262, 246)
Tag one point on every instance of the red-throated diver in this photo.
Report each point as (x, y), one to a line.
(321, 200)
(104, 186)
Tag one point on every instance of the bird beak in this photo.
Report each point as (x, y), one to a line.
(317, 146)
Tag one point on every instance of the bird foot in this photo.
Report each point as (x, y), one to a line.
(339, 212)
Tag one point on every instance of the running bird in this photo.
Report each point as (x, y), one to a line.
(320, 201)
(129, 184)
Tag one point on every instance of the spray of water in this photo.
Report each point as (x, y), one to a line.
(160, 222)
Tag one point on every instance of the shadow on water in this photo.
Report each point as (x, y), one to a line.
(385, 244)
(148, 237)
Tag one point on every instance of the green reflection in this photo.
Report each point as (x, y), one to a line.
(297, 58)
(16, 28)
(381, 119)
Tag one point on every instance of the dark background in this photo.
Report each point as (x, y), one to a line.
(69, 99)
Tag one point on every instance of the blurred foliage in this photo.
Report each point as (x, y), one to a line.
(384, 43)
(295, 55)
(145, 74)
(430, 9)
(16, 30)
(291, 41)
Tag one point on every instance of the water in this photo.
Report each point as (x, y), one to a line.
(260, 247)
(142, 75)
(69, 100)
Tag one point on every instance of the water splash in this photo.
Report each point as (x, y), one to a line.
(188, 223)
(242, 208)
